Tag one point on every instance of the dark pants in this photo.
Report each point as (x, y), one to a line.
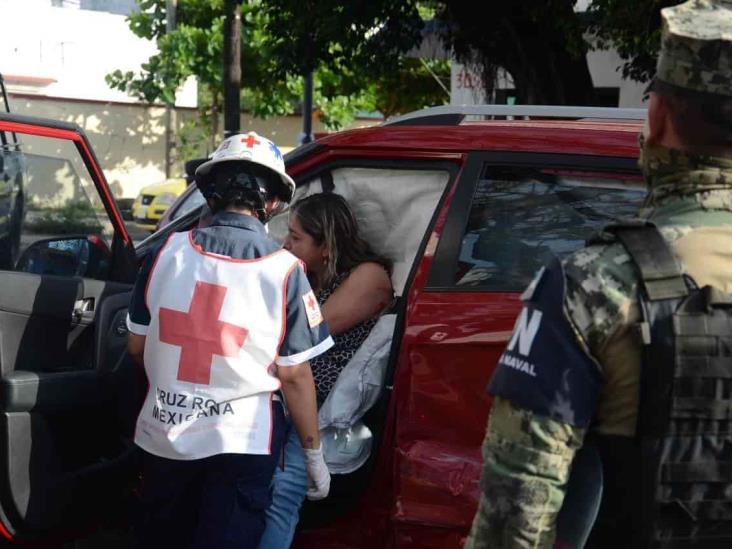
(216, 502)
(582, 500)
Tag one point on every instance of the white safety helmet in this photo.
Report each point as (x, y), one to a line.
(254, 149)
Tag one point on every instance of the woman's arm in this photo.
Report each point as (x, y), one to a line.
(297, 385)
(365, 293)
(136, 347)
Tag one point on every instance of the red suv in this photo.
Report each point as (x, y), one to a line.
(467, 210)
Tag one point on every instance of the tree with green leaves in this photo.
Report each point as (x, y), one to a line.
(304, 35)
(542, 44)
(633, 28)
(356, 51)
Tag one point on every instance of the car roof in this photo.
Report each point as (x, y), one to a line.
(532, 128)
(594, 137)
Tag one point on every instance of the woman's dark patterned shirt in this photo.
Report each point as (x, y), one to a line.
(327, 366)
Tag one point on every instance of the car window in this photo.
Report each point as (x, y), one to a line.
(52, 219)
(191, 202)
(393, 208)
(520, 219)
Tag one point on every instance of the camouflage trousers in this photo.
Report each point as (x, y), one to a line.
(526, 463)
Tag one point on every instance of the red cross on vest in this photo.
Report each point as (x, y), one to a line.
(200, 334)
(250, 141)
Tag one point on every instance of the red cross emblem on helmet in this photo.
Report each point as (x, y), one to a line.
(250, 140)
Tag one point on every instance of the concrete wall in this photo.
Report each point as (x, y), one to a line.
(605, 70)
(129, 139)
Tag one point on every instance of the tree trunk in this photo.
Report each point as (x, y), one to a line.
(574, 74)
(554, 78)
(544, 71)
(170, 12)
(214, 127)
(232, 67)
(307, 110)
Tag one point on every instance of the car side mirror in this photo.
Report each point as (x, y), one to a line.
(84, 256)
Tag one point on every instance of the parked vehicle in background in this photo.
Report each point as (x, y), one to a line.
(182, 206)
(466, 211)
(191, 199)
(12, 181)
(154, 200)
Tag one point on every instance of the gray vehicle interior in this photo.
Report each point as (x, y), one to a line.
(68, 391)
(64, 445)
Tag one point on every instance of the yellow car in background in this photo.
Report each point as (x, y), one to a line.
(154, 200)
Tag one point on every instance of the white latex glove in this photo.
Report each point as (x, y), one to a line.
(318, 474)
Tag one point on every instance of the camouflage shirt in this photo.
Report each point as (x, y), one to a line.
(535, 426)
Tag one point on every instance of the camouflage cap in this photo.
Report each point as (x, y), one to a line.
(696, 46)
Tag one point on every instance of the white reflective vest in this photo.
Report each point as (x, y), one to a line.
(215, 330)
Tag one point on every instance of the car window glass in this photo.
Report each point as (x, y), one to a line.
(191, 202)
(519, 220)
(47, 194)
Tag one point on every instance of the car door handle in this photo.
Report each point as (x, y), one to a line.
(83, 309)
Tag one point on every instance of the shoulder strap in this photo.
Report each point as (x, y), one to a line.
(660, 272)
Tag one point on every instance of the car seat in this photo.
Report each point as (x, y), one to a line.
(346, 439)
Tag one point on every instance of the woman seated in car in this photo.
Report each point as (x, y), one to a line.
(353, 287)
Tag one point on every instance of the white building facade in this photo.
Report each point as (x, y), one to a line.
(55, 54)
(64, 49)
(54, 57)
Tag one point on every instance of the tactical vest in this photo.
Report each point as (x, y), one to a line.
(684, 433)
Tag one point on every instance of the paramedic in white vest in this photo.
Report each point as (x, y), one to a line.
(225, 323)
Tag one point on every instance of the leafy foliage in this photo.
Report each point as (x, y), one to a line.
(539, 42)
(543, 43)
(355, 50)
(73, 217)
(306, 34)
(413, 84)
(634, 29)
(194, 48)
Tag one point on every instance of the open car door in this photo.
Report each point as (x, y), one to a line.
(67, 387)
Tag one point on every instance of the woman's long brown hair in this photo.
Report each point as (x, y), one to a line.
(328, 219)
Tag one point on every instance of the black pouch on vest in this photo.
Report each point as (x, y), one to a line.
(685, 417)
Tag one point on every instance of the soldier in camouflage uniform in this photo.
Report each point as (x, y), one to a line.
(572, 367)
